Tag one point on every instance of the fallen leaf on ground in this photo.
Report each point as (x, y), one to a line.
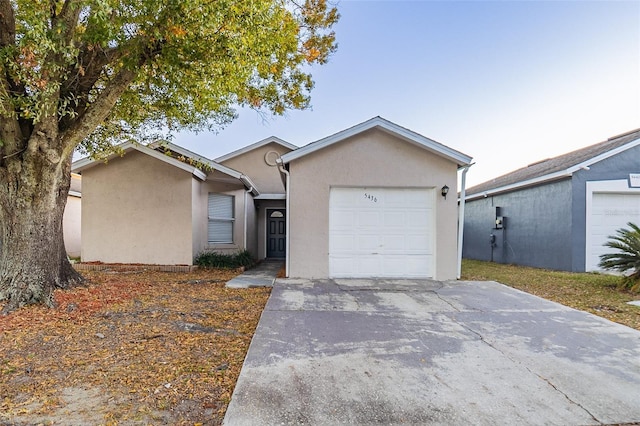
(129, 348)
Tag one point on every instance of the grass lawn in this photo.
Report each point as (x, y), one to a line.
(595, 293)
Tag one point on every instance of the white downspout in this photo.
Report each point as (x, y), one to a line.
(247, 192)
(461, 217)
(287, 215)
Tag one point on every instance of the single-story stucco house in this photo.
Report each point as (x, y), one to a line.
(556, 213)
(365, 202)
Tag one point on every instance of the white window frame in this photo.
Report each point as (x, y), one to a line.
(220, 219)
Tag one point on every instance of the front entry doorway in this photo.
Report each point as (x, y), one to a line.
(276, 233)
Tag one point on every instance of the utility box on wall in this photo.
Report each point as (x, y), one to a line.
(500, 220)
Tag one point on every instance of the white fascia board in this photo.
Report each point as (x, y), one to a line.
(557, 175)
(170, 160)
(81, 164)
(86, 163)
(604, 156)
(199, 158)
(389, 127)
(536, 181)
(224, 169)
(149, 150)
(180, 150)
(431, 145)
(75, 194)
(271, 197)
(249, 184)
(263, 142)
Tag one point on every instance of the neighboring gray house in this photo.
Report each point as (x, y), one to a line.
(556, 213)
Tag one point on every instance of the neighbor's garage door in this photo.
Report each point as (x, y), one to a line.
(609, 212)
(381, 232)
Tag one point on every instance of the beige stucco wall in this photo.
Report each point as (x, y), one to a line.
(71, 225)
(252, 163)
(137, 209)
(372, 158)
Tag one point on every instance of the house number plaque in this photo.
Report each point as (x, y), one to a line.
(371, 197)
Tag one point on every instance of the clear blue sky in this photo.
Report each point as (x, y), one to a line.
(506, 82)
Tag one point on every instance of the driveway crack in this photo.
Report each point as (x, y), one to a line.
(455, 308)
(515, 361)
(354, 299)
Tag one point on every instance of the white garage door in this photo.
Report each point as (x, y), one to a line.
(609, 212)
(381, 232)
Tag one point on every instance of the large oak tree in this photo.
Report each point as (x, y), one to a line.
(80, 74)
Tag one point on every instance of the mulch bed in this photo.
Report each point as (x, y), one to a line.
(132, 347)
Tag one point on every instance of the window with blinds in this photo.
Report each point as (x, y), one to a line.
(221, 218)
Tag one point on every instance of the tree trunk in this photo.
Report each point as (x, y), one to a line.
(33, 260)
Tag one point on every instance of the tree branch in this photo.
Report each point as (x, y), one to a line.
(7, 24)
(69, 15)
(97, 112)
(10, 134)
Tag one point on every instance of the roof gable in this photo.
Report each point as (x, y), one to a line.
(259, 144)
(387, 126)
(558, 167)
(153, 150)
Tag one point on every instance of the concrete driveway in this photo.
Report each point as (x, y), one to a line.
(432, 353)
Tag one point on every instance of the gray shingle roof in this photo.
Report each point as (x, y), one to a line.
(551, 166)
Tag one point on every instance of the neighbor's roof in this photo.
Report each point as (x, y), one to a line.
(387, 126)
(263, 142)
(558, 167)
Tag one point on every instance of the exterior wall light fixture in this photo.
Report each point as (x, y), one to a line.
(444, 191)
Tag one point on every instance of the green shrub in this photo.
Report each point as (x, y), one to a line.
(210, 259)
(627, 257)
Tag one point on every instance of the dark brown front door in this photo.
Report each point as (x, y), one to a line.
(276, 233)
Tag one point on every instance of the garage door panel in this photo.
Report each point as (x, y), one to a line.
(368, 244)
(393, 197)
(395, 265)
(346, 266)
(343, 218)
(394, 243)
(342, 198)
(342, 242)
(415, 266)
(368, 219)
(381, 232)
(406, 266)
(394, 219)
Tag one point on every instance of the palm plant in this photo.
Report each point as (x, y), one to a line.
(627, 257)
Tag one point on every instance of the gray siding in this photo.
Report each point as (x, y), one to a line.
(537, 231)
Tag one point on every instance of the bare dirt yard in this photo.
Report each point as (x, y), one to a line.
(130, 348)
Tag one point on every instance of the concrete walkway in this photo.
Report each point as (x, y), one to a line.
(431, 353)
(262, 275)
